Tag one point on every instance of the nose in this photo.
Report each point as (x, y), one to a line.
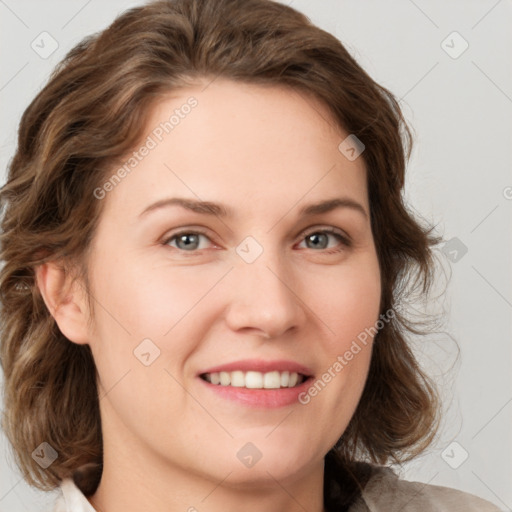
(263, 298)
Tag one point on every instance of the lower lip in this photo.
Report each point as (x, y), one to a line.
(267, 398)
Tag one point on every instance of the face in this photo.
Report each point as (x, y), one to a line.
(250, 292)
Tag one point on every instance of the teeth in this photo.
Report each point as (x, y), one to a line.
(272, 380)
(255, 380)
(237, 379)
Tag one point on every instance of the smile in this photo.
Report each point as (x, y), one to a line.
(255, 380)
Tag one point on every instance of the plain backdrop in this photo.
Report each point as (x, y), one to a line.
(449, 65)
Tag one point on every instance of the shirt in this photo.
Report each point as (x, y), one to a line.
(384, 492)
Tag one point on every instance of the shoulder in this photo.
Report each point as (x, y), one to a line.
(386, 492)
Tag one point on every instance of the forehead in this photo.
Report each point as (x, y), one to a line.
(227, 141)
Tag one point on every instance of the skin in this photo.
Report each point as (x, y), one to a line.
(169, 443)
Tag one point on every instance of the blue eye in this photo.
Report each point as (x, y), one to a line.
(187, 240)
(320, 239)
(190, 241)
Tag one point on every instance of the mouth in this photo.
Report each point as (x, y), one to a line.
(257, 383)
(255, 380)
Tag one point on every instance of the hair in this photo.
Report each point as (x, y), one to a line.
(92, 112)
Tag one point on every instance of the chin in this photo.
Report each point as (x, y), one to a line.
(264, 472)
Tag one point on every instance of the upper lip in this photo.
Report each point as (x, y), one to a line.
(260, 365)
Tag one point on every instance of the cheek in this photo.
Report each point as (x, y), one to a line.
(135, 307)
(348, 302)
(171, 307)
(349, 308)
(151, 301)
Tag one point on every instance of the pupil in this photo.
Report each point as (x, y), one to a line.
(315, 238)
(186, 240)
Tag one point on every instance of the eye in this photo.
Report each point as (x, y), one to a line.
(186, 240)
(319, 239)
(190, 241)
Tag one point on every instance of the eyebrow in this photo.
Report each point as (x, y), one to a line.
(220, 210)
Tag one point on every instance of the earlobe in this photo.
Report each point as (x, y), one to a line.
(65, 300)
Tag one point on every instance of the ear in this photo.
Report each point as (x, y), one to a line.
(65, 299)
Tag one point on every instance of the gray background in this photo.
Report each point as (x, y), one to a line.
(459, 177)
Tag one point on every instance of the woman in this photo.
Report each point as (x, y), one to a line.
(205, 248)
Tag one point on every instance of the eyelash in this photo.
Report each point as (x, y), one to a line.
(345, 240)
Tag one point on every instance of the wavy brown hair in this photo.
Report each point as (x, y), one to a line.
(92, 112)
